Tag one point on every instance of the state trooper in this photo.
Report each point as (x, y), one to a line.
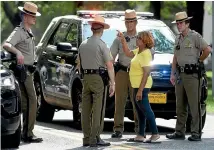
(122, 82)
(95, 56)
(21, 43)
(186, 76)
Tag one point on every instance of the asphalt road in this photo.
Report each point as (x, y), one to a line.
(62, 135)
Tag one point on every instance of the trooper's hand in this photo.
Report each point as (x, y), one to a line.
(120, 36)
(172, 79)
(111, 90)
(20, 58)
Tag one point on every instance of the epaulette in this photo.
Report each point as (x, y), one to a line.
(17, 27)
(102, 41)
(196, 33)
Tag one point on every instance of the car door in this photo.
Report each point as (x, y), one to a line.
(51, 60)
(67, 63)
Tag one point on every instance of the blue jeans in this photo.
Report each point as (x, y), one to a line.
(144, 112)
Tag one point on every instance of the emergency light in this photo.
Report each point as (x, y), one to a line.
(91, 13)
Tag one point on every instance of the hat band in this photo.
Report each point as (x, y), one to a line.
(130, 18)
(29, 12)
(181, 19)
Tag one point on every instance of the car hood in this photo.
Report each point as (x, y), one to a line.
(162, 59)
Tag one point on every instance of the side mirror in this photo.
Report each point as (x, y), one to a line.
(66, 47)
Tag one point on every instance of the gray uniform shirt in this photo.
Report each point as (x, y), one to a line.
(116, 48)
(190, 47)
(22, 41)
(94, 53)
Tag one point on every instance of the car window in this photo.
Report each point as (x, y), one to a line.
(72, 36)
(60, 34)
(163, 43)
(163, 36)
(108, 35)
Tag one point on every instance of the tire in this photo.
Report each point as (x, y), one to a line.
(189, 119)
(45, 112)
(76, 100)
(12, 141)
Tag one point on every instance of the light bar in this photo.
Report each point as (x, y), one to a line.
(117, 13)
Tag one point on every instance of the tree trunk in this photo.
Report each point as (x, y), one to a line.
(155, 6)
(196, 9)
(14, 18)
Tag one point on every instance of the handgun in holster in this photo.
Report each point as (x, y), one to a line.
(103, 72)
(19, 71)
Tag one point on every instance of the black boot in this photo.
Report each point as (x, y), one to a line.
(116, 134)
(194, 138)
(100, 142)
(175, 136)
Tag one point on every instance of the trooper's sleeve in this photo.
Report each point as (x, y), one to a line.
(14, 37)
(115, 48)
(106, 53)
(201, 44)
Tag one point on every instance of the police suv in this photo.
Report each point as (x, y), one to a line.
(57, 80)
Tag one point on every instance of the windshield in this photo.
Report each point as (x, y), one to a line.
(164, 38)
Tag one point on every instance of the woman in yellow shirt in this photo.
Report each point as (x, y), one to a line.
(141, 81)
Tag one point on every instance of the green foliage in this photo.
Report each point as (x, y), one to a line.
(170, 8)
(49, 10)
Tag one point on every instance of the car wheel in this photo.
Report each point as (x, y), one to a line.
(13, 141)
(45, 112)
(77, 100)
(189, 119)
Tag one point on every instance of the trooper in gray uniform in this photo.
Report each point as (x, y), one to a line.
(122, 82)
(21, 43)
(186, 76)
(94, 57)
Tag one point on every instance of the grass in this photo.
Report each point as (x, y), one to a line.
(210, 99)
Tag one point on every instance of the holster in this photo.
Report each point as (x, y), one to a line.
(103, 72)
(30, 68)
(19, 71)
(116, 67)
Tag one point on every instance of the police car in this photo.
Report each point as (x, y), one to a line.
(57, 80)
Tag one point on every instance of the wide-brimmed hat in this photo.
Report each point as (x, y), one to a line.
(30, 9)
(181, 16)
(130, 15)
(99, 20)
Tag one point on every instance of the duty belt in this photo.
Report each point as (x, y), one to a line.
(188, 68)
(124, 68)
(91, 71)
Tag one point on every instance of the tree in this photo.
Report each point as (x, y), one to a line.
(12, 15)
(155, 6)
(196, 9)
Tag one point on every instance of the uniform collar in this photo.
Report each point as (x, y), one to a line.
(23, 27)
(131, 37)
(188, 33)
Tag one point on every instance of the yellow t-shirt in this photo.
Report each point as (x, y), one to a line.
(140, 60)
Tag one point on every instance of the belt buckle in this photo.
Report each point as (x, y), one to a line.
(182, 69)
